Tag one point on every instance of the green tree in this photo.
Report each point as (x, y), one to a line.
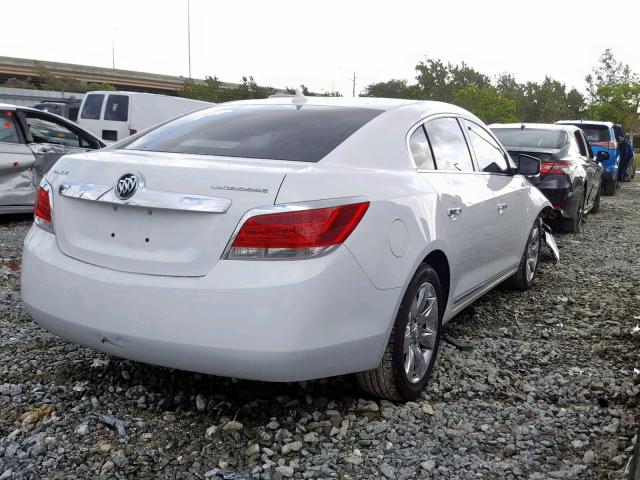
(391, 89)
(609, 71)
(213, 90)
(486, 103)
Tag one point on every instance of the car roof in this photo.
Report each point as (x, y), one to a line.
(357, 102)
(589, 122)
(537, 126)
(6, 106)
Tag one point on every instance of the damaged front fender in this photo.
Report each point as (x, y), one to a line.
(551, 242)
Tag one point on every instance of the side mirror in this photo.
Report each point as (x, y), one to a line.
(528, 165)
(602, 156)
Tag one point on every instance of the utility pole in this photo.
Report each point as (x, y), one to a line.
(113, 48)
(354, 84)
(189, 33)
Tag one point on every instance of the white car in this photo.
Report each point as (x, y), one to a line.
(284, 239)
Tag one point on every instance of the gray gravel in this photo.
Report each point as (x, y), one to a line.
(547, 391)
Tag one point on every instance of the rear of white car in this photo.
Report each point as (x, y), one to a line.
(199, 270)
(284, 239)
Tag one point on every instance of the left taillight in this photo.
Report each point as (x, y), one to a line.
(297, 234)
(560, 167)
(43, 213)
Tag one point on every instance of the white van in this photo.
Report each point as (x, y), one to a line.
(113, 115)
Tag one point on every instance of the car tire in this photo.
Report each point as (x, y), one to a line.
(574, 225)
(609, 188)
(400, 376)
(528, 269)
(596, 201)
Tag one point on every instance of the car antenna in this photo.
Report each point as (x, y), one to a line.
(522, 126)
(299, 99)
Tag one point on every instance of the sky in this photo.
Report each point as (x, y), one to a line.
(322, 43)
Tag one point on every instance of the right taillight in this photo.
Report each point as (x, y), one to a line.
(295, 234)
(43, 214)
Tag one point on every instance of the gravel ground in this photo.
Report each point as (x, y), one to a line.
(546, 390)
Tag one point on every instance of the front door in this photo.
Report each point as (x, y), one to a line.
(508, 192)
(468, 203)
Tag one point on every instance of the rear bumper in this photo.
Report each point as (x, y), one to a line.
(263, 320)
(561, 194)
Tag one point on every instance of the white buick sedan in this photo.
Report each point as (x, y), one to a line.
(284, 239)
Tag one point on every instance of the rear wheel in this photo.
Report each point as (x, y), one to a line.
(574, 225)
(528, 268)
(609, 187)
(413, 344)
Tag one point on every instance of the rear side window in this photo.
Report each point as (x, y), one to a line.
(8, 128)
(278, 132)
(420, 150)
(92, 106)
(449, 146)
(489, 155)
(117, 108)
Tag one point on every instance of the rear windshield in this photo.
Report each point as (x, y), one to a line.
(594, 133)
(278, 132)
(92, 106)
(531, 137)
(117, 108)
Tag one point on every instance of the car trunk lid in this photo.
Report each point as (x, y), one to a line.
(179, 220)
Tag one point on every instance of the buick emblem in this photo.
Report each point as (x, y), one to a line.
(126, 186)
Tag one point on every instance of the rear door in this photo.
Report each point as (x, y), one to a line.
(444, 160)
(16, 164)
(508, 192)
(49, 138)
(590, 166)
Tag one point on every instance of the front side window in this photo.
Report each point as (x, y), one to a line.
(449, 146)
(48, 131)
(489, 155)
(420, 150)
(273, 132)
(117, 108)
(92, 106)
(8, 128)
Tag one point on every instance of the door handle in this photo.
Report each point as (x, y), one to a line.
(502, 207)
(454, 211)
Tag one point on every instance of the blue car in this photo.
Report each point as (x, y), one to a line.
(609, 137)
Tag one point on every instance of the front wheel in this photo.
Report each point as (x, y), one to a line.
(528, 268)
(413, 344)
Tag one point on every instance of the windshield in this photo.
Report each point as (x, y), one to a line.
(531, 137)
(278, 132)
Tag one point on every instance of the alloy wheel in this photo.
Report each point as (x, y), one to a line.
(421, 332)
(532, 252)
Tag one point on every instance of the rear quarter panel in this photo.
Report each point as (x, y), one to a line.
(401, 226)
